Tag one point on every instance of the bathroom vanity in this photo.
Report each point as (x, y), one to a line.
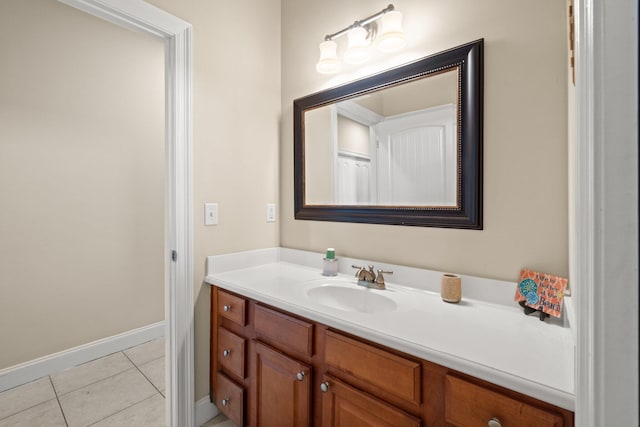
(291, 347)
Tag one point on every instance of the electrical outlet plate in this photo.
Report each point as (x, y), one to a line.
(210, 214)
(271, 212)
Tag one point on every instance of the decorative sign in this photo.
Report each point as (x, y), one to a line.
(541, 292)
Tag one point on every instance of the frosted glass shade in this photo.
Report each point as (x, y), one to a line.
(357, 51)
(391, 37)
(328, 62)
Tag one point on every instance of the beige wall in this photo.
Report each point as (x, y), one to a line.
(236, 92)
(525, 132)
(353, 136)
(319, 156)
(81, 179)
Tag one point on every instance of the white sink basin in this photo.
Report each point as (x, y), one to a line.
(361, 300)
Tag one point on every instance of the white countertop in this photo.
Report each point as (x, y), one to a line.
(490, 340)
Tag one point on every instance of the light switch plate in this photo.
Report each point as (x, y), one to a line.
(210, 214)
(271, 212)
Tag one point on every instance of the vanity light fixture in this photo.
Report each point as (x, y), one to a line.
(360, 36)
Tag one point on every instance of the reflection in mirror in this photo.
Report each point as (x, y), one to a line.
(402, 147)
(393, 147)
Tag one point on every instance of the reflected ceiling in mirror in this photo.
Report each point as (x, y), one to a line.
(402, 147)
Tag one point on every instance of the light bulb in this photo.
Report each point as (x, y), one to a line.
(328, 62)
(392, 37)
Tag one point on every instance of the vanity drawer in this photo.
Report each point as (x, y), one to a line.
(231, 352)
(386, 372)
(230, 399)
(281, 330)
(232, 307)
(470, 405)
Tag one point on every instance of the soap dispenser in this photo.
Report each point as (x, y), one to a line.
(330, 263)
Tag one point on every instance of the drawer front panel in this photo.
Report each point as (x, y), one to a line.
(395, 375)
(230, 399)
(231, 352)
(470, 405)
(284, 331)
(232, 307)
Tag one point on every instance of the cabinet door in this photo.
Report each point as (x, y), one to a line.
(345, 406)
(281, 389)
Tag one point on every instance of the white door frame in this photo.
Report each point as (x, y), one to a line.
(176, 33)
(604, 213)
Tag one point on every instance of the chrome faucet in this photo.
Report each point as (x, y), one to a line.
(368, 278)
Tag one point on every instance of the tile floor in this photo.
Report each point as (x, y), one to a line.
(122, 389)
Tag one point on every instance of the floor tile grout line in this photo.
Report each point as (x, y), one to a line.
(142, 373)
(64, 417)
(123, 409)
(29, 408)
(145, 362)
(25, 409)
(134, 367)
(32, 406)
(100, 380)
(96, 381)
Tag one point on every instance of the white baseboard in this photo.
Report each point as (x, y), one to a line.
(205, 410)
(23, 373)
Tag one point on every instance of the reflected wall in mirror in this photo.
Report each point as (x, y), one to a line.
(401, 147)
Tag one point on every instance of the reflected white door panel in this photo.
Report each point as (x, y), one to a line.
(417, 159)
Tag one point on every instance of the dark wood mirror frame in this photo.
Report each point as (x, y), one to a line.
(467, 214)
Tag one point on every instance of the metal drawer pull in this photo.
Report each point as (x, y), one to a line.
(324, 387)
(300, 376)
(226, 402)
(226, 353)
(227, 307)
(494, 422)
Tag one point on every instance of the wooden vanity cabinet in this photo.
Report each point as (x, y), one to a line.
(272, 368)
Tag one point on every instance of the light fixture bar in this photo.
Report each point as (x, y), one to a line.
(360, 23)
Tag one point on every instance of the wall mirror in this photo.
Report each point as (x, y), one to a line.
(402, 147)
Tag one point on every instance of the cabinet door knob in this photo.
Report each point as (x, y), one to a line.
(300, 376)
(324, 386)
(225, 402)
(494, 422)
(226, 353)
(227, 307)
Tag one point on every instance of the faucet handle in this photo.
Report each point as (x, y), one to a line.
(380, 278)
(361, 271)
